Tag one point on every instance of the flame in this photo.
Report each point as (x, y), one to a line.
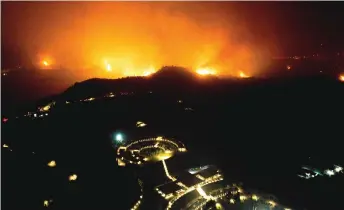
(206, 71)
(243, 75)
(149, 71)
(108, 67)
(176, 33)
(45, 63)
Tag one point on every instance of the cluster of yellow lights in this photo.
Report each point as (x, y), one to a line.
(200, 177)
(52, 164)
(166, 171)
(73, 177)
(213, 179)
(46, 203)
(255, 197)
(47, 107)
(110, 95)
(89, 99)
(242, 197)
(204, 194)
(140, 124)
(138, 203)
(158, 143)
(6, 146)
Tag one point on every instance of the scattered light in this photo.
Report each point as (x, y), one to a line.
(89, 99)
(338, 169)
(73, 177)
(232, 201)
(46, 203)
(272, 203)
(52, 164)
(255, 197)
(4, 120)
(288, 67)
(140, 124)
(119, 137)
(45, 108)
(5, 146)
(108, 67)
(218, 206)
(329, 172)
(201, 192)
(341, 77)
(242, 197)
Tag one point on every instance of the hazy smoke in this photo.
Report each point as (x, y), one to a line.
(136, 35)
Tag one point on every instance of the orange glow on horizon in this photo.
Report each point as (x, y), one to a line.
(133, 36)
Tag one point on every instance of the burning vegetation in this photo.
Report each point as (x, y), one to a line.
(119, 39)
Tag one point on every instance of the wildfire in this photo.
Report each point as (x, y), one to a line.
(147, 73)
(243, 75)
(45, 63)
(206, 71)
(108, 66)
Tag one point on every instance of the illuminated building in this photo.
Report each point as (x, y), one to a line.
(194, 188)
(148, 150)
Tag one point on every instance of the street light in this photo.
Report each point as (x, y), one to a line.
(119, 137)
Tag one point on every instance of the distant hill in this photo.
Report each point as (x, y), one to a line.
(168, 77)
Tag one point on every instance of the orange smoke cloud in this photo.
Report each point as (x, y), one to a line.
(137, 38)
